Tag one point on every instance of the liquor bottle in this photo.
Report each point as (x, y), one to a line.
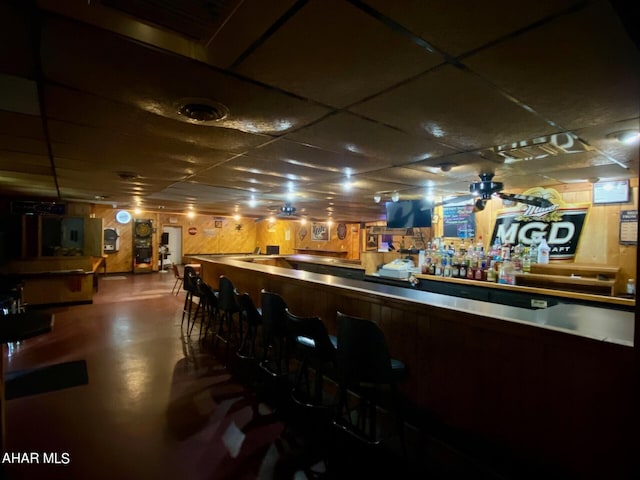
(631, 286)
(502, 275)
(479, 245)
(526, 261)
(446, 269)
(533, 254)
(543, 251)
(438, 269)
(479, 274)
(491, 272)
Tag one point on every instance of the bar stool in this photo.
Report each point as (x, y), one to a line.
(315, 349)
(275, 359)
(274, 385)
(312, 407)
(179, 279)
(210, 311)
(365, 367)
(190, 286)
(253, 318)
(228, 307)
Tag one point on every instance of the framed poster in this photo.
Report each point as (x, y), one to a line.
(371, 241)
(320, 232)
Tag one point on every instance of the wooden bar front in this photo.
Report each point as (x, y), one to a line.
(560, 400)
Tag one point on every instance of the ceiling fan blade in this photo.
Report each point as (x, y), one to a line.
(527, 199)
(462, 199)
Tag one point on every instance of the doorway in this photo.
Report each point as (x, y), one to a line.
(174, 245)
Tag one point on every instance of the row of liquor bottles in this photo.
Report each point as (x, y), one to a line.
(500, 264)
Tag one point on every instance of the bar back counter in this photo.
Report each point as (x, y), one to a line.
(550, 387)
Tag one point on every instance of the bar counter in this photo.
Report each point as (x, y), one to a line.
(552, 386)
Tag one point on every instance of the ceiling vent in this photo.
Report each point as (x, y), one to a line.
(196, 19)
(203, 112)
(557, 144)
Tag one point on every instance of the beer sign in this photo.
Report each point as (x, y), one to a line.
(561, 224)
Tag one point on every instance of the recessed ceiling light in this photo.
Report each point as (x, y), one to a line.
(447, 166)
(202, 111)
(127, 175)
(626, 136)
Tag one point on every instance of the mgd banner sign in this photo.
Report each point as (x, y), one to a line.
(561, 224)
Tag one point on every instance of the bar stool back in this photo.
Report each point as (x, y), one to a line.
(211, 310)
(315, 349)
(250, 315)
(275, 359)
(179, 279)
(191, 288)
(365, 367)
(228, 307)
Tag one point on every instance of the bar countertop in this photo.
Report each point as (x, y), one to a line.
(596, 323)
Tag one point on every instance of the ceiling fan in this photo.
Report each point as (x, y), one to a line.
(483, 190)
(286, 211)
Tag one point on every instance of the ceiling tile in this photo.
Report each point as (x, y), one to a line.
(23, 144)
(80, 110)
(345, 133)
(21, 125)
(253, 164)
(603, 138)
(405, 176)
(109, 66)
(457, 108)
(25, 163)
(33, 184)
(457, 27)
(17, 35)
(336, 54)
(321, 161)
(245, 182)
(579, 70)
(244, 27)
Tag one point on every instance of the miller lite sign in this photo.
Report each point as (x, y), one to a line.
(561, 224)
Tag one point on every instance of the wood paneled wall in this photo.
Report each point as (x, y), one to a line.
(213, 235)
(599, 242)
(598, 245)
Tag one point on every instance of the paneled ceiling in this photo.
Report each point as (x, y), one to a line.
(321, 103)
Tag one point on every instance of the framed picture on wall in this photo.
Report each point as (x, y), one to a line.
(371, 241)
(320, 232)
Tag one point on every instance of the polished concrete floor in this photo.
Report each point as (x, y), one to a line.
(160, 405)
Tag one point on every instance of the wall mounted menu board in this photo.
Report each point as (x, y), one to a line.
(629, 227)
(459, 221)
(611, 192)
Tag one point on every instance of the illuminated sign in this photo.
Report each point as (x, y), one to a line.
(560, 224)
(123, 216)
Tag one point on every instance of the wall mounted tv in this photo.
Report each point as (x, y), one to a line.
(408, 214)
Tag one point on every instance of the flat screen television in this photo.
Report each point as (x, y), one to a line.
(408, 214)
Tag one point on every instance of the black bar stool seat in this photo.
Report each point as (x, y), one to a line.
(365, 368)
